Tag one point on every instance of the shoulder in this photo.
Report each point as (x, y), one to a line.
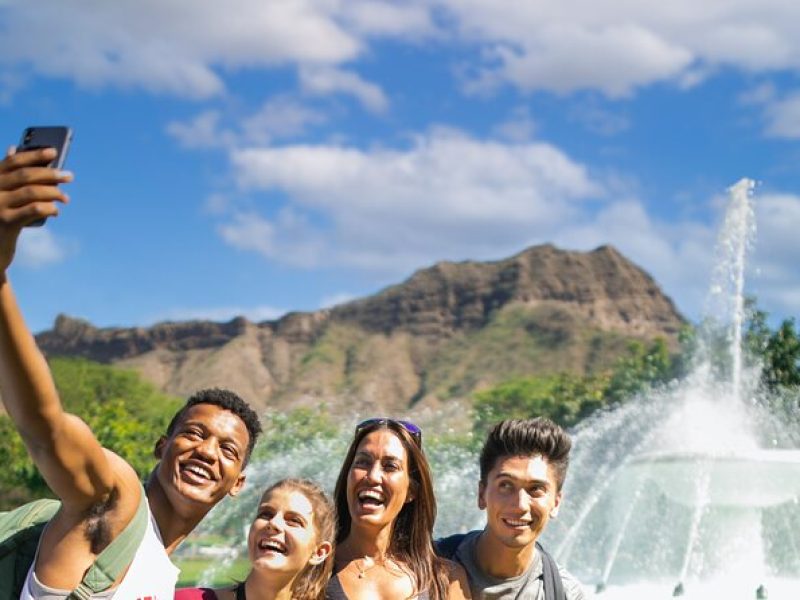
(458, 583)
(447, 547)
(195, 594)
(572, 587)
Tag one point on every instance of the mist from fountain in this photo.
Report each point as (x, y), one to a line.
(691, 490)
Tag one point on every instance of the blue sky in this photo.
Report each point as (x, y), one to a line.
(259, 156)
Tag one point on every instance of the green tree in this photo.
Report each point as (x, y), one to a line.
(124, 412)
(643, 367)
(778, 350)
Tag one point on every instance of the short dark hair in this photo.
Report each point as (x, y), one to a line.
(229, 401)
(527, 437)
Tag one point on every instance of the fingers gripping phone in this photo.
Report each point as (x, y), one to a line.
(34, 138)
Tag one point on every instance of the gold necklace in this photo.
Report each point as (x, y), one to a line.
(369, 562)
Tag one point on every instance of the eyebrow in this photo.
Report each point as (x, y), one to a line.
(523, 481)
(372, 456)
(199, 423)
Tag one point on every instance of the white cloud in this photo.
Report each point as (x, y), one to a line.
(447, 195)
(180, 47)
(325, 81)
(203, 131)
(617, 46)
(519, 127)
(392, 209)
(220, 314)
(38, 247)
(336, 299)
(188, 48)
(777, 253)
(278, 118)
(783, 117)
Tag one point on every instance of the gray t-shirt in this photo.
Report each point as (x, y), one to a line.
(528, 586)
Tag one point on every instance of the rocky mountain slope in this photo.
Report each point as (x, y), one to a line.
(448, 330)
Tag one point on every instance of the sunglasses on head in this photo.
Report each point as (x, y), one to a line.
(414, 431)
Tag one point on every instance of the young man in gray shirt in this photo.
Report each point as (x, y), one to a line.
(523, 465)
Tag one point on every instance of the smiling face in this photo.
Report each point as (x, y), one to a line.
(202, 459)
(378, 480)
(283, 538)
(519, 496)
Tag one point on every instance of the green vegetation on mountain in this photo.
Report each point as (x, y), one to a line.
(125, 413)
(567, 398)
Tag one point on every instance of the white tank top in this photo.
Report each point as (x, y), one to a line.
(151, 576)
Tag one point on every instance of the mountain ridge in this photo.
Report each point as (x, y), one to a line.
(424, 340)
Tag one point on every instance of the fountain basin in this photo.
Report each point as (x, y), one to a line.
(751, 479)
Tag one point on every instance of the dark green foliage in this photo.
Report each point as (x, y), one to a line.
(568, 398)
(642, 368)
(125, 413)
(778, 351)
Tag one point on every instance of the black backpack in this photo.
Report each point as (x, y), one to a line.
(553, 587)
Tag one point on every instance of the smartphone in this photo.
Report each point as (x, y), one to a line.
(34, 138)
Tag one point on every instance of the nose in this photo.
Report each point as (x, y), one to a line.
(276, 523)
(522, 499)
(375, 473)
(207, 449)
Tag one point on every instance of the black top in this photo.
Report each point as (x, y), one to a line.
(335, 591)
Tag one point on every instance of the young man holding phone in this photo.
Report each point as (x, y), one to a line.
(201, 456)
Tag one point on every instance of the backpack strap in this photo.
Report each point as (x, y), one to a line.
(116, 557)
(553, 586)
(447, 547)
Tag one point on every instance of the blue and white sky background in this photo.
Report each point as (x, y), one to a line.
(258, 156)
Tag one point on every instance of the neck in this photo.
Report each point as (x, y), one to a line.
(361, 542)
(501, 562)
(172, 524)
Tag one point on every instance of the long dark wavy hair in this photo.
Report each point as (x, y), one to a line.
(411, 542)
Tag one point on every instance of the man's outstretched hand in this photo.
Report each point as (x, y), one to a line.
(28, 191)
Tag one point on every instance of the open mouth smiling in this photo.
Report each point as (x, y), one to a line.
(371, 498)
(197, 471)
(272, 545)
(517, 523)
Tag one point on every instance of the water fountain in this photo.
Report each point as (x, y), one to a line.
(679, 493)
(692, 490)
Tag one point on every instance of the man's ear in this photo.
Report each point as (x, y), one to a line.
(158, 450)
(237, 487)
(481, 495)
(321, 553)
(554, 510)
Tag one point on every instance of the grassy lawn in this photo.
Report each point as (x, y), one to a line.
(193, 569)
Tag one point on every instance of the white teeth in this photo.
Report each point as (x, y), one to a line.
(371, 495)
(199, 471)
(273, 545)
(517, 522)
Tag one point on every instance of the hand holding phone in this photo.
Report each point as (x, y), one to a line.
(34, 138)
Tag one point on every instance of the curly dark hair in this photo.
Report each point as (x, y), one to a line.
(527, 437)
(229, 401)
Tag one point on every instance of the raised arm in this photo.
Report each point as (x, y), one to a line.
(64, 449)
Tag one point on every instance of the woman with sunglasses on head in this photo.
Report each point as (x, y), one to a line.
(386, 510)
(289, 545)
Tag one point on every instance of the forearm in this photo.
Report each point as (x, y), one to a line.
(26, 384)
